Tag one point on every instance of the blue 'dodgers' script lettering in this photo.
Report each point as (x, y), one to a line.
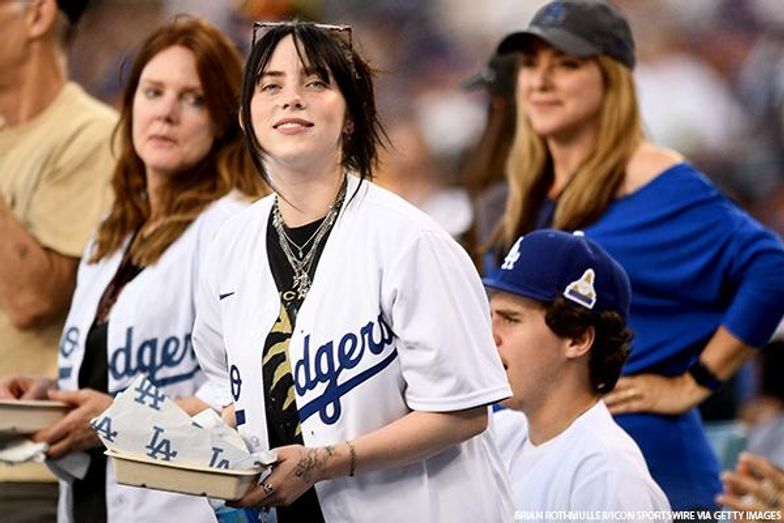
(153, 355)
(332, 358)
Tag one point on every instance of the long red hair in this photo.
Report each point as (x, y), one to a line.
(227, 165)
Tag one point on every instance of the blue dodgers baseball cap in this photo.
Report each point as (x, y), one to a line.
(580, 28)
(545, 264)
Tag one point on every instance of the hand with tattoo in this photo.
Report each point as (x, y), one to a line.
(298, 468)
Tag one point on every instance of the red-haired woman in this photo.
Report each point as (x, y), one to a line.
(182, 170)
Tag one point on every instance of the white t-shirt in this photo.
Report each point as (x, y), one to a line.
(396, 320)
(593, 465)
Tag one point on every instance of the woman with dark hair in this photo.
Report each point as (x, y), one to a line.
(707, 279)
(360, 323)
(182, 170)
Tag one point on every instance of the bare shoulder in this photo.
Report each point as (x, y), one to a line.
(646, 163)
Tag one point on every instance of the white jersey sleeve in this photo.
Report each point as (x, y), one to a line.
(208, 334)
(441, 316)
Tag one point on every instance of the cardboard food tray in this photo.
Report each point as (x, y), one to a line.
(27, 417)
(200, 481)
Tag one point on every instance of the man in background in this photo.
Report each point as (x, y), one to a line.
(55, 163)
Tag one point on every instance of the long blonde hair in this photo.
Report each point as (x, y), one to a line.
(593, 186)
(226, 166)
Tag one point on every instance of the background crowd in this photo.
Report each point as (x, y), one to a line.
(709, 75)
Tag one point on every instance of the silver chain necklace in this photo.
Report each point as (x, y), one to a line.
(302, 265)
(297, 246)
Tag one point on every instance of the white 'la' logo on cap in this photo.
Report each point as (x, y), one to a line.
(582, 291)
(513, 256)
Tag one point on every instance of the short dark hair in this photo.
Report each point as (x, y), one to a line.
(324, 52)
(611, 342)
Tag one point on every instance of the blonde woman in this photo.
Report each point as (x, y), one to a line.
(707, 280)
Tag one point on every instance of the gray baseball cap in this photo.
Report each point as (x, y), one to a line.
(498, 77)
(581, 28)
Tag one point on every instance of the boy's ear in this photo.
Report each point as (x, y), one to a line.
(581, 345)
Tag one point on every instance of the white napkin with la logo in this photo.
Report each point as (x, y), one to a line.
(142, 421)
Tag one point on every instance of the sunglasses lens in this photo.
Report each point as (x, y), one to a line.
(343, 32)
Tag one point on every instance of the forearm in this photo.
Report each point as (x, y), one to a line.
(410, 439)
(35, 283)
(413, 438)
(724, 355)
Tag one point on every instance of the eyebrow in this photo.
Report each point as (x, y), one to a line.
(509, 313)
(159, 83)
(281, 74)
(308, 72)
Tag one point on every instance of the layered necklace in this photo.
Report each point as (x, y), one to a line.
(302, 262)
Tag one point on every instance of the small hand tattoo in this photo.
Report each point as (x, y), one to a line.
(312, 462)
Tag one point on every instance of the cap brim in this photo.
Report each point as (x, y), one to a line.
(563, 41)
(480, 80)
(498, 285)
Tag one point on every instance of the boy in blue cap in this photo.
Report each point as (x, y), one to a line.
(559, 304)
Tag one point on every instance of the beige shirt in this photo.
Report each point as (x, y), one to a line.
(54, 174)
